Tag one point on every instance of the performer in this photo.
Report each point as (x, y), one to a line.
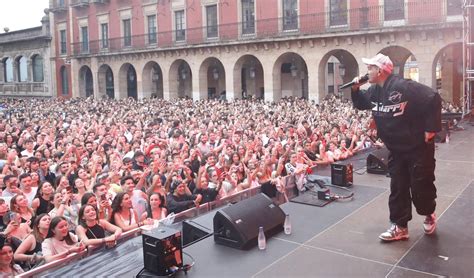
(407, 115)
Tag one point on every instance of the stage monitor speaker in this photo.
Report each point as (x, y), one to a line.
(237, 225)
(342, 174)
(162, 251)
(377, 162)
(194, 232)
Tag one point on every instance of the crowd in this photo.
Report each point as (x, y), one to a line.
(79, 172)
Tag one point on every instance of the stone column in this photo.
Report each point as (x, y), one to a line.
(95, 78)
(268, 80)
(229, 81)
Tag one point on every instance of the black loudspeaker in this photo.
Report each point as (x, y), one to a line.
(194, 230)
(342, 174)
(377, 162)
(162, 251)
(237, 225)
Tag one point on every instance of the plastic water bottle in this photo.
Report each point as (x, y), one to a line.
(262, 242)
(287, 225)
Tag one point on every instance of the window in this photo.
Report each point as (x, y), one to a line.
(38, 69)
(63, 41)
(127, 32)
(8, 70)
(151, 29)
(22, 69)
(85, 39)
(290, 14)
(394, 9)
(330, 68)
(338, 12)
(454, 7)
(104, 35)
(64, 81)
(180, 25)
(248, 17)
(211, 15)
(61, 3)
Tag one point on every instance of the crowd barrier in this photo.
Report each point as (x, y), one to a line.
(289, 192)
(179, 217)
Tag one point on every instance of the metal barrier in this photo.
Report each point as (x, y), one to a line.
(190, 213)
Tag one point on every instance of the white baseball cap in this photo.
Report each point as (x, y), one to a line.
(381, 61)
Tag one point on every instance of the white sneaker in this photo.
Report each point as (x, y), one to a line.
(429, 225)
(394, 233)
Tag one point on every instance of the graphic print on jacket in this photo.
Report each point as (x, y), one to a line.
(403, 110)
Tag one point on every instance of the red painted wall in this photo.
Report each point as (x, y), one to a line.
(313, 19)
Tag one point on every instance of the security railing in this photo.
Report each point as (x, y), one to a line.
(179, 217)
(414, 13)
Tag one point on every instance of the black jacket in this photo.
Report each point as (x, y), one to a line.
(403, 110)
(208, 194)
(178, 204)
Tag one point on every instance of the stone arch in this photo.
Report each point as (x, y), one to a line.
(248, 77)
(344, 69)
(290, 76)
(106, 81)
(180, 79)
(128, 81)
(34, 53)
(447, 72)
(86, 84)
(400, 57)
(212, 78)
(152, 80)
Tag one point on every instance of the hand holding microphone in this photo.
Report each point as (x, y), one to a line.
(356, 82)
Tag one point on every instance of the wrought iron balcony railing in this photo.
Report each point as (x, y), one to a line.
(415, 13)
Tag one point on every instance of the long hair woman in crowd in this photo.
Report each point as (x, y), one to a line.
(92, 230)
(156, 209)
(59, 242)
(43, 201)
(8, 268)
(66, 207)
(30, 250)
(123, 214)
(19, 204)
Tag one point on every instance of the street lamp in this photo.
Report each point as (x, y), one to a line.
(156, 76)
(342, 70)
(294, 69)
(252, 72)
(184, 73)
(215, 74)
(131, 76)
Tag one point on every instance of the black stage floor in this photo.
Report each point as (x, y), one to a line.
(340, 239)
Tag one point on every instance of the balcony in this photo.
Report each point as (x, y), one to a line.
(58, 6)
(79, 3)
(350, 22)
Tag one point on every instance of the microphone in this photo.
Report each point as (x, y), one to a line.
(362, 80)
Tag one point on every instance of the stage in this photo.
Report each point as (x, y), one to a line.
(339, 239)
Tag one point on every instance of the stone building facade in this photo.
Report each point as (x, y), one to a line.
(266, 48)
(25, 62)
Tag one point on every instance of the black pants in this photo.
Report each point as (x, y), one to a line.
(412, 179)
